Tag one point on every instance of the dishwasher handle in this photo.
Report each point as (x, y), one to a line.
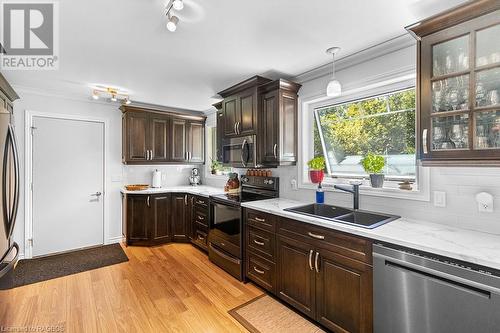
(455, 281)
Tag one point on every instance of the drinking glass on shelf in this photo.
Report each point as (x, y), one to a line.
(457, 135)
(494, 97)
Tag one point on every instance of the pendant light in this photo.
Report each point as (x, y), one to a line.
(334, 88)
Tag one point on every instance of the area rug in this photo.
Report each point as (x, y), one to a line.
(30, 271)
(264, 314)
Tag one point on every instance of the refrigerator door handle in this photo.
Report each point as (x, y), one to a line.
(10, 212)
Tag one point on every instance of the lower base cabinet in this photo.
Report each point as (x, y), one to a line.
(324, 274)
(155, 219)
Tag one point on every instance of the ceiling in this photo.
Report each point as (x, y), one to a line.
(218, 43)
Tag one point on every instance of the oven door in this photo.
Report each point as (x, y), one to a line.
(225, 226)
(239, 152)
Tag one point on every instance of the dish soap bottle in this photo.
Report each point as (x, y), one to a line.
(320, 195)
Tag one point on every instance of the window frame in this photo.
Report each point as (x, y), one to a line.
(363, 177)
(309, 103)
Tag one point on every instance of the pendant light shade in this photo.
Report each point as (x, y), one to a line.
(334, 88)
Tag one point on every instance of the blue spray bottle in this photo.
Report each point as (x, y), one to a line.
(320, 195)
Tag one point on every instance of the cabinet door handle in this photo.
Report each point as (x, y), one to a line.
(238, 127)
(235, 130)
(275, 150)
(185, 200)
(258, 270)
(315, 236)
(258, 242)
(424, 141)
(148, 201)
(316, 262)
(147, 155)
(258, 219)
(311, 259)
(151, 154)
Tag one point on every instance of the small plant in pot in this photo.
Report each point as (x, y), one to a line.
(373, 165)
(215, 166)
(317, 169)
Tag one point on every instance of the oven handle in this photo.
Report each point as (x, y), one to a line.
(223, 255)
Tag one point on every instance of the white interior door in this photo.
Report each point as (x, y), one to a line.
(68, 182)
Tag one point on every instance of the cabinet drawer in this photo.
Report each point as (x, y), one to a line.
(261, 272)
(223, 244)
(261, 242)
(261, 220)
(200, 216)
(201, 202)
(350, 246)
(200, 239)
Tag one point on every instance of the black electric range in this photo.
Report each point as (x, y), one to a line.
(224, 237)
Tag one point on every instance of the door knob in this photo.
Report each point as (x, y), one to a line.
(96, 194)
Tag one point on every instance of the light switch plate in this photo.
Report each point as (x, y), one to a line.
(439, 199)
(293, 184)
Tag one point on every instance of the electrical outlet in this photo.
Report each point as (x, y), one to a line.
(439, 199)
(293, 184)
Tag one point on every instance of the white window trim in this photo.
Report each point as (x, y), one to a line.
(306, 147)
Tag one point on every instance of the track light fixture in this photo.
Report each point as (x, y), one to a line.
(334, 88)
(111, 94)
(173, 20)
(172, 23)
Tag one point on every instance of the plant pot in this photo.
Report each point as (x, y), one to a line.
(316, 176)
(377, 180)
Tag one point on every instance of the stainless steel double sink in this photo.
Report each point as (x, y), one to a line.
(360, 218)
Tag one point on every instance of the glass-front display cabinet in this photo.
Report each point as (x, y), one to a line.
(458, 85)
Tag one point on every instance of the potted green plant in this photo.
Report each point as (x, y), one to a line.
(215, 166)
(316, 169)
(373, 165)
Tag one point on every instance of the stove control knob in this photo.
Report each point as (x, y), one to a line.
(244, 180)
(268, 181)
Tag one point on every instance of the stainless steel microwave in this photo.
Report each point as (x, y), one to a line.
(240, 152)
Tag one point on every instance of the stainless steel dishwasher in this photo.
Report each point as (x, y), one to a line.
(417, 292)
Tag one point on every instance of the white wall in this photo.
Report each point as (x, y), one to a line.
(460, 184)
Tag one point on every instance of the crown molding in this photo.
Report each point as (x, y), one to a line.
(372, 52)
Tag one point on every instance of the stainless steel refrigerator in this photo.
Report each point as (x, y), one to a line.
(9, 197)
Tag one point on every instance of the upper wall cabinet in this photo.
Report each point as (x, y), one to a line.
(240, 107)
(157, 137)
(459, 85)
(7, 96)
(265, 109)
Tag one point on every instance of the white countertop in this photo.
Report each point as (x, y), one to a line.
(202, 190)
(467, 245)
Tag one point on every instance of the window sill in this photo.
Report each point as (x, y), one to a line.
(386, 192)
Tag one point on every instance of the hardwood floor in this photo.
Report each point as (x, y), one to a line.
(170, 288)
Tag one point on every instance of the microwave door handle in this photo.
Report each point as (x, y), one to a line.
(242, 150)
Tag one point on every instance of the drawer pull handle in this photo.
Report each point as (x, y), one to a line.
(201, 217)
(199, 202)
(201, 237)
(258, 270)
(310, 259)
(258, 242)
(258, 219)
(316, 236)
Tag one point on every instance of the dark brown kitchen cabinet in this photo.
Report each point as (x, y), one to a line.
(147, 219)
(266, 109)
(161, 137)
(325, 274)
(295, 277)
(179, 208)
(458, 90)
(179, 141)
(220, 130)
(240, 107)
(278, 116)
(343, 293)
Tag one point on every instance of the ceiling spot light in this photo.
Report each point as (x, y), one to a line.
(127, 101)
(172, 23)
(334, 88)
(95, 95)
(178, 4)
(113, 98)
